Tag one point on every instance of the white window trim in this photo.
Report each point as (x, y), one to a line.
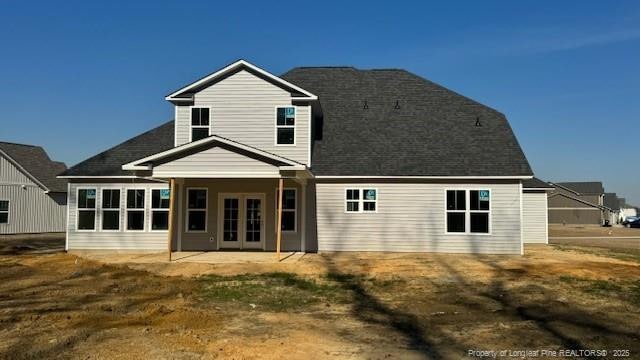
(8, 212)
(295, 210)
(127, 209)
(119, 209)
(208, 127)
(361, 200)
(206, 210)
(294, 126)
(95, 209)
(152, 209)
(468, 211)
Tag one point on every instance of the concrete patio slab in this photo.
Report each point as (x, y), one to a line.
(203, 257)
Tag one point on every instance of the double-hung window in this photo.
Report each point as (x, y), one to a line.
(361, 200)
(197, 210)
(111, 209)
(468, 211)
(4, 211)
(199, 123)
(135, 209)
(86, 217)
(289, 204)
(160, 199)
(286, 125)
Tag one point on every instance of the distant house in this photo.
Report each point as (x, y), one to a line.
(32, 199)
(612, 202)
(535, 227)
(577, 203)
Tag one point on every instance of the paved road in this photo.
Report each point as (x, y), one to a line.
(621, 242)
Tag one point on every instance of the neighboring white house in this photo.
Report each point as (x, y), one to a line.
(366, 160)
(32, 199)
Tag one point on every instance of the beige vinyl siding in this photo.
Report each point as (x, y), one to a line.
(114, 240)
(243, 109)
(411, 218)
(215, 162)
(31, 210)
(182, 124)
(534, 212)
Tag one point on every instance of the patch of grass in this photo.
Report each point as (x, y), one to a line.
(602, 287)
(568, 279)
(278, 291)
(629, 291)
(634, 292)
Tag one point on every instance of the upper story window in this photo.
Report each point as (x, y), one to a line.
(286, 125)
(199, 123)
(468, 211)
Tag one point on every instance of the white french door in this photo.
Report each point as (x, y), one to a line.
(241, 221)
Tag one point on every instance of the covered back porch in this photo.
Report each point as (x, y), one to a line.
(238, 214)
(230, 196)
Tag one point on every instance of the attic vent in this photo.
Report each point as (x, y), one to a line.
(397, 106)
(366, 106)
(478, 123)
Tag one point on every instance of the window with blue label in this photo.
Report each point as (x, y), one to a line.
(361, 200)
(286, 125)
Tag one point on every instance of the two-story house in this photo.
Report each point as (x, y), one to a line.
(343, 159)
(578, 202)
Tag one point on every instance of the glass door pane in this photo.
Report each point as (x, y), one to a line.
(230, 220)
(253, 220)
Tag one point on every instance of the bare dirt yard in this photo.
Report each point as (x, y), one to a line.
(347, 305)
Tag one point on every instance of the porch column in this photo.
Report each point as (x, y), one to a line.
(172, 187)
(279, 228)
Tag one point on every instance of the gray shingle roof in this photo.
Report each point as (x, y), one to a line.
(109, 162)
(611, 201)
(535, 183)
(584, 187)
(38, 164)
(432, 132)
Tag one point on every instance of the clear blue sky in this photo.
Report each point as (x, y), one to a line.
(80, 77)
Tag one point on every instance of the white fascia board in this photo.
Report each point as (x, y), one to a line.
(293, 168)
(223, 71)
(96, 177)
(429, 177)
(213, 138)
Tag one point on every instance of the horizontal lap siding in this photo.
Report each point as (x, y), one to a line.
(182, 124)
(534, 212)
(411, 217)
(215, 162)
(120, 240)
(243, 110)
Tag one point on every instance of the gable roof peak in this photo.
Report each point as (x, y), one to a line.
(186, 93)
